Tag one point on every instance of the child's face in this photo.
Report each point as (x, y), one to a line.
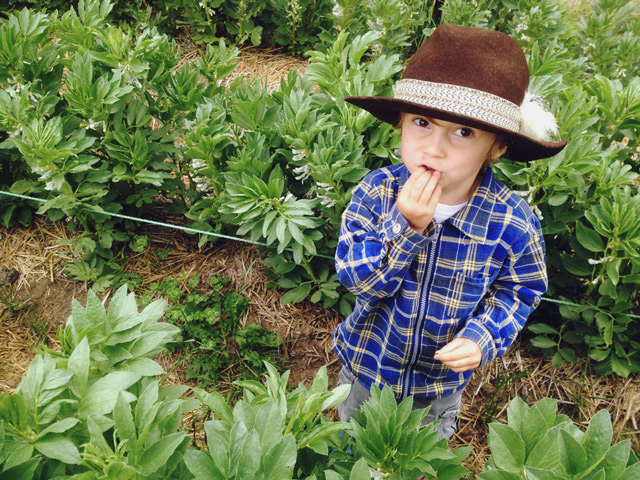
(456, 151)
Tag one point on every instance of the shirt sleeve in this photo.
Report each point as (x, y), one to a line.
(512, 296)
(375, 248)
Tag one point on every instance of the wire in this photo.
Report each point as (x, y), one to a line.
(237, 239)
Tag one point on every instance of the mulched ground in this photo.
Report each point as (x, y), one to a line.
(32, 308)
(39, 302)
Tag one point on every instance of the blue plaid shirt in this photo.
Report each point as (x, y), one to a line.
(479, 275)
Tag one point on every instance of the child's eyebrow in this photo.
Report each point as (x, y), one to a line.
(439, 123)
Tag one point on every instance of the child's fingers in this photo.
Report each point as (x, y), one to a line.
(461, 354)
(419, 196)
(422, 185)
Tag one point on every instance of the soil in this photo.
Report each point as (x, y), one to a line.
(39, 302)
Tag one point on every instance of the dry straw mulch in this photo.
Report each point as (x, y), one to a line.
(40, 301)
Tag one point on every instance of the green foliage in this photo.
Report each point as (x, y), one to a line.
(293, 25)
(94, 410)
(539, 443)
(212, 335)
(390, 437)
(100, 121)
(401, 26)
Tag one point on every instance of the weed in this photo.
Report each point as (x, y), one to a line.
(209, 316)
(498, 397)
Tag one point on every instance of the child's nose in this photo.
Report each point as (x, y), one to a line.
(434, 144)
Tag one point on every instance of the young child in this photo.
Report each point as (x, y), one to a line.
(445, 261)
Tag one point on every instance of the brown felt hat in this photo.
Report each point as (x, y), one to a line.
(475, 77)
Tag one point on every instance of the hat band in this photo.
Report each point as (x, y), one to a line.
(469, 102)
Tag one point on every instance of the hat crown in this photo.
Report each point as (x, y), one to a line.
(471, 57)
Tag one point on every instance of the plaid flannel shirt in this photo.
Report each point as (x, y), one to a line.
(479, 276)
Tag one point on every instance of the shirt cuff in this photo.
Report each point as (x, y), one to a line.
(481, 337)
(395, 225)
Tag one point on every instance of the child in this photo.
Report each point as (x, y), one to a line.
(446, 263)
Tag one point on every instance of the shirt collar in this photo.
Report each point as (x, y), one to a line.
(474, 219)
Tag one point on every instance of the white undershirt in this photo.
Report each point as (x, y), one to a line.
(444, 212)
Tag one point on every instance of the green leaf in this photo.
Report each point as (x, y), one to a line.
(24, 471)
(573, 457)
(588, 238)
(542, 328)
(544, 342)
(124, 424)
(516, 411)
(545, 455)
(499, 475)
(616, 458)
(270, 425)
(533, 428)
(201, 465)
(60, 426)
(59, 448)
(296, 295)
(217, 404)
(597, 438)
(539, 474)
(157, 455)
(507, 448)
(631, 473)
(360, 471)
(78, 364)
(280, 459)
(102, 395)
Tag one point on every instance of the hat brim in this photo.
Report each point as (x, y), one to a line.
(520, 148)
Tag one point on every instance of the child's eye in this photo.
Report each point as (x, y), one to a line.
(421, 122)
(465, 132)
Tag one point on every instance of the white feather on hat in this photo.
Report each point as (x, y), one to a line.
(537, 122)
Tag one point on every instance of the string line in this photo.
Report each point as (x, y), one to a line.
(237, 239)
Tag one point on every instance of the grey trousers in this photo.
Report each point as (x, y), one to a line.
(445, 409)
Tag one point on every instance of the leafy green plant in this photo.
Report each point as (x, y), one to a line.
(539, 443)
(94, 140)
(212, 335)
(272, 417)
(93, 409)
(389, 436)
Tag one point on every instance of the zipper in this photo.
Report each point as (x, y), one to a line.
(415, 349)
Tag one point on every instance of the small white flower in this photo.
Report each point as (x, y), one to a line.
(197, 164)
(593, 261)
(521, 26)
(326, 201)
(326, 186)
(377, 474)
(302, 173)
(538, 213)
(49, 186)
(298, 154)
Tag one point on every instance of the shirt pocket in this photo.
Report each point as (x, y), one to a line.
(465, 293)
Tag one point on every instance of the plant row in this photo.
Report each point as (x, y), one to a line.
(98, 119)
(96, 410)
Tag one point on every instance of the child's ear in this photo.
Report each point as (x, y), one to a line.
(500, 151)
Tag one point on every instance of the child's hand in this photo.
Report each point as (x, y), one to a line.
(460, 355)
(418, 198)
